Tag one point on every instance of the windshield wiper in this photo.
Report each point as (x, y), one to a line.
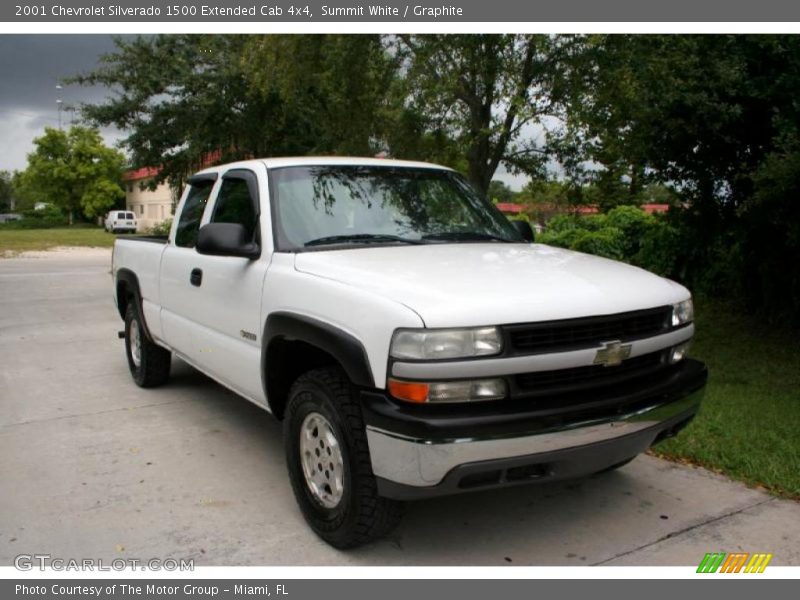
(466, 236)
(360, 238)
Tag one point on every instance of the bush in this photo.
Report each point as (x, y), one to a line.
(565, 238)
(661, 249)
(625, 233)
(591, 234)
(593, 222)
(161, 228)
(751, 261)
(561, 223)
(634, 224)
(48, 217)
(607, 242)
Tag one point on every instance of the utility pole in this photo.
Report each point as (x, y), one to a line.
(70, 108)
(59, 103)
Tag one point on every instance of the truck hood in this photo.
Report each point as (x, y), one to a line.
(452, 285)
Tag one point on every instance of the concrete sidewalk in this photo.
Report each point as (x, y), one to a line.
(93, 466)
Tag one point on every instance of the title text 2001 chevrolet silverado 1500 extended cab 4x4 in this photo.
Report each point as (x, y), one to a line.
(413, 341)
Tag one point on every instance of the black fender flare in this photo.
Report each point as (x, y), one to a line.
(131, 282)
(345, 348)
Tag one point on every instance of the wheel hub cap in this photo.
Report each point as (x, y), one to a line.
(321, 457)
(135, 341)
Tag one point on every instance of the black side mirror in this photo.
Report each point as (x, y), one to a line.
(523, 229)
(226, 239)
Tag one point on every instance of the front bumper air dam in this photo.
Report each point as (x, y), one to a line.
(411, 466)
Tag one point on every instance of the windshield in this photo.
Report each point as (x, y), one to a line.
(351, 205)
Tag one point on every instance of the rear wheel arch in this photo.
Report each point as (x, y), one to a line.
(128, 291)
(294, 344)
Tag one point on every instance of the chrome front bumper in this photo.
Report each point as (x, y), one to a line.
(414, 463)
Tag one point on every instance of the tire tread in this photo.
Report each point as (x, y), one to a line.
(156, 361)
(376, 515)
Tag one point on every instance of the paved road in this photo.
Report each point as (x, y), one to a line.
(92, 466)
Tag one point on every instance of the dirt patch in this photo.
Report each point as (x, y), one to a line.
(60, 251)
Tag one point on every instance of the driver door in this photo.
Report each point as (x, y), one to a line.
(226, 291)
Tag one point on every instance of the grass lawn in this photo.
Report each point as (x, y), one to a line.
(13, 241)
(749, 423)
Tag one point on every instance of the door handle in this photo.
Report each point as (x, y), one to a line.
(196, 278)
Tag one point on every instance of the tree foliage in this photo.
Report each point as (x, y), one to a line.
(709, 123)
(487, 92)
(624, 233)
(465, 100)
(335, 89)
(180, 98)
(500, 192)
(6, 190)
(184, 98)
(717, 118)
(75, 171)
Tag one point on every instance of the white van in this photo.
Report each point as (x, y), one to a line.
(121, 220)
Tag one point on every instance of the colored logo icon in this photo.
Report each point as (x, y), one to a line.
(737, 562)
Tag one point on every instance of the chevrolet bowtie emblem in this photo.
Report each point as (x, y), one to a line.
(612, 354)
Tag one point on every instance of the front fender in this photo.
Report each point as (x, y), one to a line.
(345, 348)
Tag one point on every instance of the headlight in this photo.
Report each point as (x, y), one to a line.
(682, 313)
(422, 344)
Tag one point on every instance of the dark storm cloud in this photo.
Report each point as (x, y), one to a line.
(30, 68)
(32, 65)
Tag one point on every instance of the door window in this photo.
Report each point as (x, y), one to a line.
(189, 222)
(236, 205)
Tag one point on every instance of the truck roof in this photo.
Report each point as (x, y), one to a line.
(299, 161)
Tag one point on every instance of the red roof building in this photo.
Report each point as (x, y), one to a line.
(510, 208)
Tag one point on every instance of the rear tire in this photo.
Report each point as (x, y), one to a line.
(149, 363)
(341, 504)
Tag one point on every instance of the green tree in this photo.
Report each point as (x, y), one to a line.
(717, 118)
(185, 98)
(6, 191)
(500, 192)
(179, 99)
(24, 199)
(484, 91)
(334, 89)
(468, 101)
(75, 171)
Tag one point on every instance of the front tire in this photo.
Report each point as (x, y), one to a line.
(149, 363)
(338, 495)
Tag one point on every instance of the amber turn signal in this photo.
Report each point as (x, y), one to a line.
(409, 391)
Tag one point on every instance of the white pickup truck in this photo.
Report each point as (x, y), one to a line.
(413, 341)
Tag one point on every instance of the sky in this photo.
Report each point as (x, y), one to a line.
(30, 68)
